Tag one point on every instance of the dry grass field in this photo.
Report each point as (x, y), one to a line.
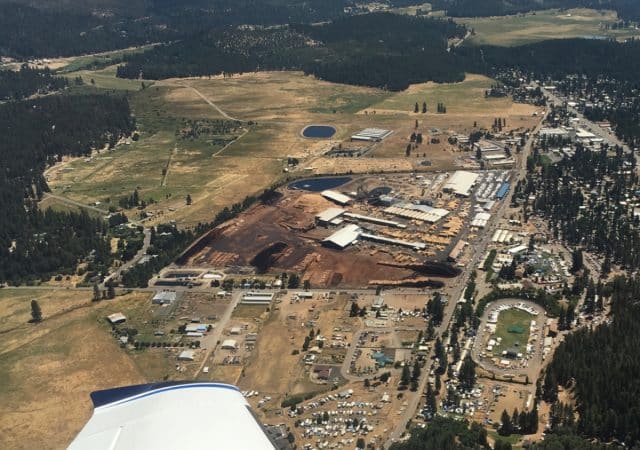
(538, 26)
(275, 107)
(48, 370)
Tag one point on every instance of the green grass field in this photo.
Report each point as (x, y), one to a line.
(100, 60)
(509, 320)
(106, 79)
(543, 25)
(466, 97)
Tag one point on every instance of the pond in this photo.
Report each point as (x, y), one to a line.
(319, 131)
(319, 184)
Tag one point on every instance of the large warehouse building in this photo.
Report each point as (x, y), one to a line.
(461, 183)
(172, 415)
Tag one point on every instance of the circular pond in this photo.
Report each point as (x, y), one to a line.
(318, 131)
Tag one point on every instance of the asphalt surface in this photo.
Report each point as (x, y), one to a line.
(455, 291)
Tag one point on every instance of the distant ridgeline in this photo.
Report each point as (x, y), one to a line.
(36, 244)
(626, 9)
(382, 50)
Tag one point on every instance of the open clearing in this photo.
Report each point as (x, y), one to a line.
(543, 25)
(47, 371)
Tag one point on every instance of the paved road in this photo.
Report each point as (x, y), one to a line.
(455, 291)
(608, 136)
(68, 201)
(115, 275)
(210, 341)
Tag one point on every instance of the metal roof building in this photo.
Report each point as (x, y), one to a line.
(371, 135)
(418, 212)
(461, 183)
(171, 415)
(329, 214)
(164, 297)
(337, 197)
(257, 298)
(344, 236)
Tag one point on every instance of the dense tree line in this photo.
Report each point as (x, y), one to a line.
(167, 242)
(16, 85)
(57, 30)
(35, 244)
(446, 434)
(584, 199)
(604, 98)
(383, 50)
(556, 59)
(601, 365)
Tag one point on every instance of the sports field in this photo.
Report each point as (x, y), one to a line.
(513, 328)
(538, 26)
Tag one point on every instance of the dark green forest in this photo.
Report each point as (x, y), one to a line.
(365, 50)
(75, 31)
(36, 244)
(16, 85)
(601, 367)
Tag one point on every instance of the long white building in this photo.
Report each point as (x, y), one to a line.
(169, 416)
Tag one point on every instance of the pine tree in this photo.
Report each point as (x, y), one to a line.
(36, 312)
(506, 427)
(405, 378)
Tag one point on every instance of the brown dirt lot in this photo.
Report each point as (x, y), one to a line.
(272, 369)
(48, 370)
(242, 239)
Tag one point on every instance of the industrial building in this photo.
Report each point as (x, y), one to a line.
(376, 220)
(371, 135)
(344, 237)
(480, 219)
(457, 250)
(337, 197)
(417, 212)
(257, 298)
(171, 415)
(502, 191)
(164, 298)
(392, 241)
(461, 183)
(330, 216)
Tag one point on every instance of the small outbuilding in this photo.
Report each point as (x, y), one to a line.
(229, 344)
(116, 318)
(186, 355)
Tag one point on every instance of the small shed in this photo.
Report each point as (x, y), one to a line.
(116, 318)
(229, 344)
